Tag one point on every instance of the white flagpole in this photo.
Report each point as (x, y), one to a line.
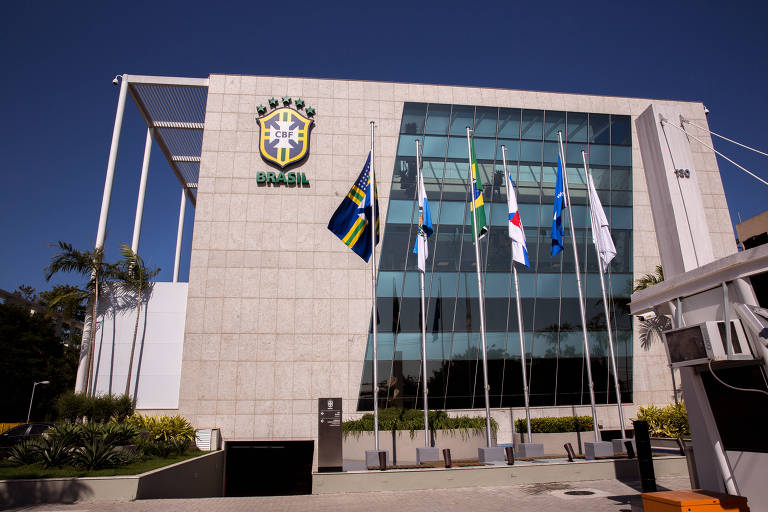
(480, 297)
(423, 306)
(372, 191)
(519, 309)
(581, 295)
(596, 238)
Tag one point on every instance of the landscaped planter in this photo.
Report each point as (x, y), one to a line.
(553, 442)
(402, 449)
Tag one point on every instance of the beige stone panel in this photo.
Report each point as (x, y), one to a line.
(249, 315)
(228, 347)
(322, 316)
(283, 406)
(321, 347)
(303, 406)
(303, 316)
(226, 423)
(225, 407)
(301, 427)
(192, 347)
(285, 321)
(206, 421)
(234, 259)
(227, 381)
(238, 207)
(233, 282)
(284, 347)
(283, 380)
(247, 346)
(228, 141)
(221, 207)
(339, 348)
(244, 428)
(250, 282)
(230, 318)
(223, 186)
(241, 168)
(229, 121)
(254, 209)
(302, 347)
(246, 384)
(207, 407)
(264, 407)
(215, 276)
(211, 140)
(338, 379)
(266, 381)
(236, 236)
(321, 379)
(268, 286)
(245, 407)
(302, 380)
(189, 388)
(209, 380)
(339, 316)
(195, 312)
(267, 315)
(215, 98)
(212, 321)
(232, 84)
(282, 426)
(262, 426)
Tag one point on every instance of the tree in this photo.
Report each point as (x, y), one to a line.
(92, 265)
(136, 278)
(32, 352)
(651, 279)
(26, 292)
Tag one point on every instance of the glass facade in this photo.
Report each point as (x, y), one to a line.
(551, 318)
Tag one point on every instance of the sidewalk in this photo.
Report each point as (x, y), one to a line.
(607, 495)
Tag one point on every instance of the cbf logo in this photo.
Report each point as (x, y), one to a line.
(284, 138)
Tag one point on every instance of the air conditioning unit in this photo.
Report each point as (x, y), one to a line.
(702, 343)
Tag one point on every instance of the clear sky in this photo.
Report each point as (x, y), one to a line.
(57, 101)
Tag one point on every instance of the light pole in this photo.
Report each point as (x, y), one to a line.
(29, 413)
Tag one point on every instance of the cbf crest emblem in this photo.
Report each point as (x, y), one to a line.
(284, 137)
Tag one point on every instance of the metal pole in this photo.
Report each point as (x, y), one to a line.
(581, 295)
(596, 239)
(101, 233)
(480, 297)
(519, 311)
(423, 308)
(29, 413)
(142, 193)
(179, 236)
(372, 191)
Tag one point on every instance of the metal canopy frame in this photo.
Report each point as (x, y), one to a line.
(174, 110)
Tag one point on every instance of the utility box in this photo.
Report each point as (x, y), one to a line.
(696, 500)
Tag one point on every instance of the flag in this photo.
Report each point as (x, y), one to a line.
(352, 219)
(601, 235)
(516, 232)
(557, 218)
(424, 227)
(477, 195)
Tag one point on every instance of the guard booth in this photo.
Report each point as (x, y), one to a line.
(718, 339)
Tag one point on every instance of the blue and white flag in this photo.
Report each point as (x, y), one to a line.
(557, 217)
(516, 231)
(424, 227)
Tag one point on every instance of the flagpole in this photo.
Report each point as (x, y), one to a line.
(423, 306)
(373, 295)
(519, 310)
(581, 295)
(596, 239)
(480, 296)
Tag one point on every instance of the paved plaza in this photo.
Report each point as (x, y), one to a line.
(606, 495)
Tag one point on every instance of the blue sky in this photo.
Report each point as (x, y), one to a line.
(57, 102)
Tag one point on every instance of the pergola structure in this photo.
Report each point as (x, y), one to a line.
(174, 110)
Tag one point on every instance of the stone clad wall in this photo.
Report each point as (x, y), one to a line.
(278, 308)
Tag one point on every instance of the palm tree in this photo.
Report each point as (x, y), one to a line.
(135, 277)
(649, 279)
(92, 265)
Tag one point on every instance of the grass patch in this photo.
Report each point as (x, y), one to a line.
(8, 472)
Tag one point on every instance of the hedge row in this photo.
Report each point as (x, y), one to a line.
(413, 419)
(550, 425)
(667, 421)
(74, 407)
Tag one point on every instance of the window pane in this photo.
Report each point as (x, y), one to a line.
(413, 118)
(532, 124)
(599, 129)
(577, 127)
(437, 119)
(554, 121)
(621, 130)
(509, 123)
(485, 123)
(461, 117)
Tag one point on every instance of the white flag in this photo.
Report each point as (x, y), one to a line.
(516, 231)
(601, 235)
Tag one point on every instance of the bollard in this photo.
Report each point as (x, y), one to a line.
(382, 461)
(510, 455)
(569, 451)
(447, 457)
(630, 449)
(644, 456)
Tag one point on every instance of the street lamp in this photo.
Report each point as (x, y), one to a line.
(33, 396)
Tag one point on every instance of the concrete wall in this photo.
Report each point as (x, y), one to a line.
(159, 341)
(279, 309)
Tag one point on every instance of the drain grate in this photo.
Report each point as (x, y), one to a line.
(579, 493)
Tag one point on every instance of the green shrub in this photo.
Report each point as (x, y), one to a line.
(668, 421)
(23, 453)
(54, 452)
(550, 425)
(97, 453)
(394, 418)
(73, 407)
(162, 435)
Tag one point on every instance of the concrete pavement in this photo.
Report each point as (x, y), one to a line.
(592, 496)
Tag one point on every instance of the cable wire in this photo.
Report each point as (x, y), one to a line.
(665, 122)
(733, 387)
(724, 137)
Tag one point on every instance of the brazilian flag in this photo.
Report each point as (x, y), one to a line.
(477, 195)
(351, 221)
